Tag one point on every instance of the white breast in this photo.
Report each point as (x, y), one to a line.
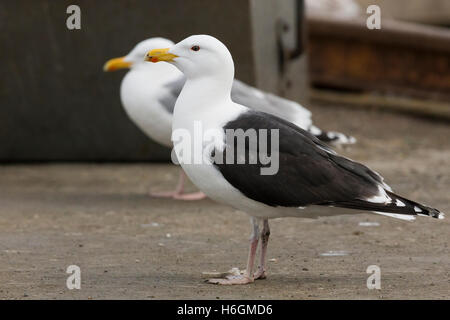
(205, 175)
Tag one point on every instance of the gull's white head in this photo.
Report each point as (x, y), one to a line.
(135, 57)
(199, 56)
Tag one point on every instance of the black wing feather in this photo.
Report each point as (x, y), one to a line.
(309, 171)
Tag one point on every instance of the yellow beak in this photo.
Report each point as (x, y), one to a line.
(116, 64)
(160, 55)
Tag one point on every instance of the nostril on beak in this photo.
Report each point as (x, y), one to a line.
(151, 58)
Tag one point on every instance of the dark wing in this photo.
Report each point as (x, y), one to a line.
(309, 172)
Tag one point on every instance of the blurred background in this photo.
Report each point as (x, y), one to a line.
(58, 105)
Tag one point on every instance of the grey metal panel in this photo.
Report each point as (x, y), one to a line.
(55, 101)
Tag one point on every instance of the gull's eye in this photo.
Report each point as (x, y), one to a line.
(195, 48)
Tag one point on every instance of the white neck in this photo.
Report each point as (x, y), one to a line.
(205, 101)
(209, 89)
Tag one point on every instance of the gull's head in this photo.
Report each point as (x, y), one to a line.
(197, 56)
(136, 56)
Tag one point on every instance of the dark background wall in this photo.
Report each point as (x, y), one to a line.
(55, 101)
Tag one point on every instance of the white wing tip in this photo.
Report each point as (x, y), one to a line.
(341, 139)
(397, 216)
(381, 197)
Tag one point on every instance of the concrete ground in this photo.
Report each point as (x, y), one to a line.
(128, 245)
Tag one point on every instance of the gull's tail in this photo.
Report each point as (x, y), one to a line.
(331, 137)
(398, 207)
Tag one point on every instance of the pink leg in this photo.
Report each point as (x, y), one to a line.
(178, 192)
(190, 196)
(261, 273)
(247, 277)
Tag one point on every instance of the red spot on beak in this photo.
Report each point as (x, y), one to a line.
(154, 59)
